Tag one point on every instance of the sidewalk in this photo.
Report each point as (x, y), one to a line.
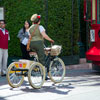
(80, 83)
(80, 66)
(77, 85)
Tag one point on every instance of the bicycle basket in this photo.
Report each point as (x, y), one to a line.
(56, 50)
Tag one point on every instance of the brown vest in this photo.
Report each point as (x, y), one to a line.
(37, 35)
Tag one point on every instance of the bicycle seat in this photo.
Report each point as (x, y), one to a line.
(32, 53)
(47, 49)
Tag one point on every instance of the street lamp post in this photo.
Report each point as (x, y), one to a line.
(1, 13)
(72, 28)
(46, 15)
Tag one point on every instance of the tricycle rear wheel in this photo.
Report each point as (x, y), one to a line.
(15, 79)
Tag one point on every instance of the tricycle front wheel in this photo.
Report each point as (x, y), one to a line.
(36, 75)
(57, 70)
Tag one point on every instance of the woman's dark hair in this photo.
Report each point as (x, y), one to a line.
(24, 29)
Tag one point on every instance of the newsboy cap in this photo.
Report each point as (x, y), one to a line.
(35, 17)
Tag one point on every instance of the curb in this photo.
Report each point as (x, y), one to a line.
(80, 66)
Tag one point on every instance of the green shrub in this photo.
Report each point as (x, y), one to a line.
(59, 22)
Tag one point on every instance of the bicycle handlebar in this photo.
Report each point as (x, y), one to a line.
(46, 46)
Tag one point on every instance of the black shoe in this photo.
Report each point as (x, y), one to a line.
(47, 78)
(3, 75)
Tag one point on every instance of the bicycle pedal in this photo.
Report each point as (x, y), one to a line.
(25, 74)
(36, 69)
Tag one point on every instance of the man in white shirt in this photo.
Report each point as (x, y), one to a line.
(4, 37)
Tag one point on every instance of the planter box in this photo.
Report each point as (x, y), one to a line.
(71, 60)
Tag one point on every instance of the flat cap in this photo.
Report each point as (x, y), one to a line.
(35, 17)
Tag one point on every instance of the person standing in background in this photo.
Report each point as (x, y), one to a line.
(4, 37)
(23, 35)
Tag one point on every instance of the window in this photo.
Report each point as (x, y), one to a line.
(98, 11)
(1, 13)
(87, 10)
(93, 11)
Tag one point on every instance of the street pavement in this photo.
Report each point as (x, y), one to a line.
(81, 84)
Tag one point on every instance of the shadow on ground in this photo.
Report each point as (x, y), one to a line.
(3, 81)
(2, 98)
(53, 89)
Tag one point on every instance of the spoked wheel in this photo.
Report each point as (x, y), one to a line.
(57, 70)
(36, 75)
(15, 79)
